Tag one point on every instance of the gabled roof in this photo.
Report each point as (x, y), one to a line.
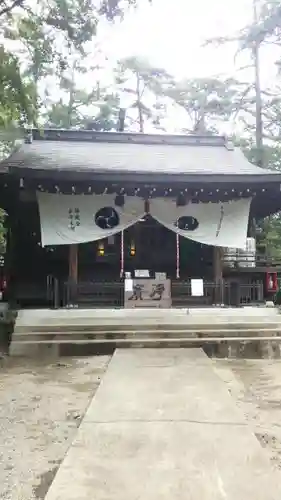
(87, 151)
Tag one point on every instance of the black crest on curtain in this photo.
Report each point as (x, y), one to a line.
(187, 223)
(107, 218)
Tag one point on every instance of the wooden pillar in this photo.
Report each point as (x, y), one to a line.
(73, 273)
(177, 255)
(73, 263)
(9, 258)
(218, 274)
(11, 266)
(251, 232)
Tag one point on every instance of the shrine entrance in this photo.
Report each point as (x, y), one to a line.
(99, 267)
(150, 246)
(137, 267)
(146, 246)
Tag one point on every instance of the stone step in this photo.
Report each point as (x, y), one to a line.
(168, 316)
(118, 327)
(147, 332)
(151, 326)
(31, 317)
(143, 341)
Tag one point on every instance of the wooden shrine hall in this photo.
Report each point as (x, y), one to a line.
(133, 220)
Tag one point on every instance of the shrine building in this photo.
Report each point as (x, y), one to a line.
(115, 219)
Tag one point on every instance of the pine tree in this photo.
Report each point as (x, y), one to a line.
(145, 85)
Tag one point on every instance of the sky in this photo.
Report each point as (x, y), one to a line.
(171, 34)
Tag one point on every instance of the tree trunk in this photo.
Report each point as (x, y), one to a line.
(259, 124)
(200, 127)
(139, 106)
(71, 98)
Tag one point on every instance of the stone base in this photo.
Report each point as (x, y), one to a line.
(19, 349)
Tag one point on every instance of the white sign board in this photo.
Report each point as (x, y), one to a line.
(197, 288)
(160, 276)
(141, 273)
(148, 293)
(129, 285)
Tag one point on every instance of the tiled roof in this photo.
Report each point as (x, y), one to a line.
(134, 157)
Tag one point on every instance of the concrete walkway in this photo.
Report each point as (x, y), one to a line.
(163, 426)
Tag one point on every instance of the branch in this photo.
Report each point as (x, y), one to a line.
(220, 40)
(272, 137)
(8, 8)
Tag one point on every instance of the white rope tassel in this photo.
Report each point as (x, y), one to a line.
(122, 255)
(178, 255)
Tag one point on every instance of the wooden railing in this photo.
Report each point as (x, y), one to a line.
(94, 294)
(248, 260)
(110, 294)
(229, 293)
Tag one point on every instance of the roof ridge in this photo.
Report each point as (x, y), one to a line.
(158, 159)
(53, 134)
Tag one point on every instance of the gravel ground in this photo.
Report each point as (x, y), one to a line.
(41, 406)
(256, 385)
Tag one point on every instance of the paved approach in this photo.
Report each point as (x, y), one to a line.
(163, 425)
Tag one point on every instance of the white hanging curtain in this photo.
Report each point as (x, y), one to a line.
(217, 224)
(69, 219)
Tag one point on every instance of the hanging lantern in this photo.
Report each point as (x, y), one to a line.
(132, 249)
(100, 249)
(181, 200)
(111, 240)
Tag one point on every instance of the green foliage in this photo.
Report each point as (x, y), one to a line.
(268, 26)
(15, 92)
(75, 19)
(37, 43)
(2, 232)
(38, 49)
(207, 101)
(138, 79)
(7, 6)
(37, 29)
(105, 118)
(58, 116)
(16, 103)
(115, 8)
(108, 8)
(269, 239)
